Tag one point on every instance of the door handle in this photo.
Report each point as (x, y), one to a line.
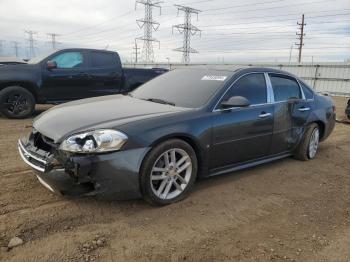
(263, 115)
(303, 109)
(82, 74)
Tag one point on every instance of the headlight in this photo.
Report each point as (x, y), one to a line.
(104, 140)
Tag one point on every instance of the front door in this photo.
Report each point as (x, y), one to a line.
(243, 134)
(70, 80)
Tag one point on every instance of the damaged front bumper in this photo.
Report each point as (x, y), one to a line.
(111, 175)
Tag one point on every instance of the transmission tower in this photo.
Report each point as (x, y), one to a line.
(301, 37)
(31, 42)
(188, 30)
(148, 25)
(15, 47)
(53, 41)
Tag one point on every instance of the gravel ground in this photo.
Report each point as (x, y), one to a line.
(283, 211)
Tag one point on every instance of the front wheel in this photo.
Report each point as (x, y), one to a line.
(16, 102)
(308, 146)
(168, 172)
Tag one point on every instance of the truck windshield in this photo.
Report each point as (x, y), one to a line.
(191, 88)
(39, 58)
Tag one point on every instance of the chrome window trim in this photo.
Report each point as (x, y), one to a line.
(220, 99)
(270, 93)
(288, 76)
(313, 93)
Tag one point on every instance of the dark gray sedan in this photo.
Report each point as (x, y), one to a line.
(155, 142)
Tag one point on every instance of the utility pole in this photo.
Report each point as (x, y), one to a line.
(148, 26)
(188, 30)
(53, 41)
(136, 52)
(301, 37)
(2, 47)
(15, 47)
(31, 42)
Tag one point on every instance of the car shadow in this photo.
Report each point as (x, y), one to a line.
(139, 205)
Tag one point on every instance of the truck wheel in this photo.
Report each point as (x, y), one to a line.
(16, 102)
(308, 146)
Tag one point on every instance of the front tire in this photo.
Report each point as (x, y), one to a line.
(308, 146)
(16, 102)
(168, 172)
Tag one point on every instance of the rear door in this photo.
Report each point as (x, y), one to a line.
(106, 73)
(291, 112)
(243, 134)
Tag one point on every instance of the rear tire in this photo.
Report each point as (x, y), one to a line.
(168, 172)
(16, 102)
(308, 146)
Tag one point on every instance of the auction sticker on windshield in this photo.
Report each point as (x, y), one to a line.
(214, 78)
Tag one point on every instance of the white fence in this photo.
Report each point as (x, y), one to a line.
(333, 78)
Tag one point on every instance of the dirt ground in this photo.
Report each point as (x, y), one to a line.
(284, 211)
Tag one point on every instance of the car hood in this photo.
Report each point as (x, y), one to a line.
(99, 112)
(22, 66)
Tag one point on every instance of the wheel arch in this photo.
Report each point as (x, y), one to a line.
(26, 85)
(193, 142)
(322, 127)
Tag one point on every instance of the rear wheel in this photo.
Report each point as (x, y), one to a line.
(308, 147)
(16, 102)
(168, 172)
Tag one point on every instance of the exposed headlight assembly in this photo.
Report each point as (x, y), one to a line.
(97, 141)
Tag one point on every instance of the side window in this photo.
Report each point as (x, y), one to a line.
(252, 87)
(284, 88)
(309, 94)
(69, 60)
(102, 59)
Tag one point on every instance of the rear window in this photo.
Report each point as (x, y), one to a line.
(284, 88)
(309, 94)
(191, 88)
(103, 59)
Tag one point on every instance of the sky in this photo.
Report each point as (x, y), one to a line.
(231, 30)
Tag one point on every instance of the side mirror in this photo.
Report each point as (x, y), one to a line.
(51, 65)
(235, 101)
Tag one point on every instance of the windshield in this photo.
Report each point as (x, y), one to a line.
(191, 88)
(40, 57)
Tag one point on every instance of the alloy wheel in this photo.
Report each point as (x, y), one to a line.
(171, 174)
(17, 104)
(313, 144)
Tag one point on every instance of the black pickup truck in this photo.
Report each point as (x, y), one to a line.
(66, 75)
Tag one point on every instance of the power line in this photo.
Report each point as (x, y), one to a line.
(31, 42)
(187, 29)
(123, 27)
(301, 37)
(268, 8)
(148, 25)
(53, 41)
(96, 25)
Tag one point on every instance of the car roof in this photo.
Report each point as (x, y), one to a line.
(240, 70)
(86, 49)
